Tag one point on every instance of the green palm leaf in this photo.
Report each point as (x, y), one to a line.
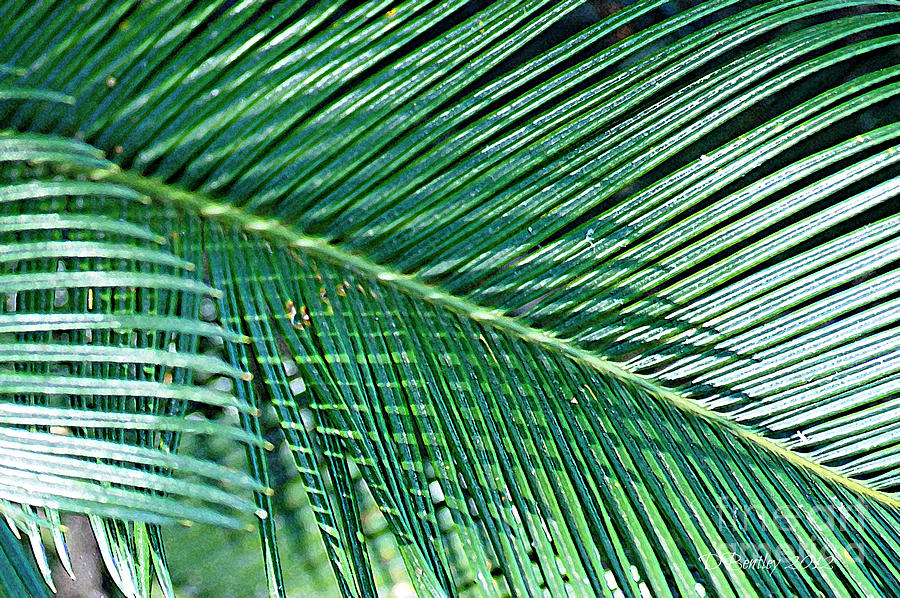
(17, 576)
(590, 318)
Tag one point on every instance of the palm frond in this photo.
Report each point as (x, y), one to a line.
(583, 316)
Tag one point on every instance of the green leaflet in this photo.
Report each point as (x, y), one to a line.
(580, 315)
(16, 572)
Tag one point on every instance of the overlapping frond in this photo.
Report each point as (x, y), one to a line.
(98, 345)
